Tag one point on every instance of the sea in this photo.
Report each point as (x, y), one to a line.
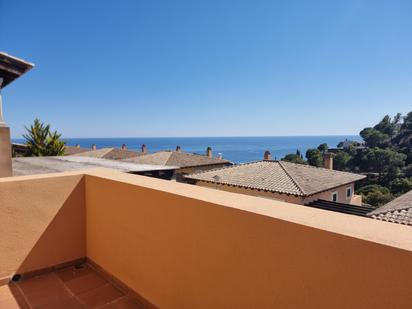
(235, 149)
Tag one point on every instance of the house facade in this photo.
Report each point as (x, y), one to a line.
(343, 194)
(283, 181)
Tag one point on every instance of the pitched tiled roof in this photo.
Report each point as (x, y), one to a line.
(110, 153)
(177, 158)
(399, 210)
(71, 150)
(279, 176)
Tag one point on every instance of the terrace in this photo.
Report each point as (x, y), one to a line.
(106, 239)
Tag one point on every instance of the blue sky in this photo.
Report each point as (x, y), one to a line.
(207, 68)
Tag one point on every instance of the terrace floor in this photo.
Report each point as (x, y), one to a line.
(66, 288)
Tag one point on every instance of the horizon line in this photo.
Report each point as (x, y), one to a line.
(221, 136)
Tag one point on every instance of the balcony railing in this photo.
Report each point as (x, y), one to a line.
(182, 246)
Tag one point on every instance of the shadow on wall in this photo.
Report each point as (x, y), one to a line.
(44, 223)
(64, 238)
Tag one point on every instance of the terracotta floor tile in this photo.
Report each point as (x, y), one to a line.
(57, 290)
(70, 303)
(125, 302)
(70, 273)
(99, 296)
(38, 283)
(43, 290)
(85, 283)
(47, 296)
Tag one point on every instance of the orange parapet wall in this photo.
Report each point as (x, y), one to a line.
(42, 222)
(183, 246)
(193, 247)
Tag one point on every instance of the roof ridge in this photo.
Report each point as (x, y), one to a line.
(296, 189)
(108, 149)
(169, 157)
(291, 178)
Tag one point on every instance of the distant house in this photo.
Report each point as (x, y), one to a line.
(188, 163)
(110, 153)
(346, 144)
(285, 181)
(398, 211)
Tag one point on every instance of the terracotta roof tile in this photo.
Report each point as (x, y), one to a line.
(398, 211)
(71, 150)
(315, 179)
(109, 153)
(278, 176)
(177, 158)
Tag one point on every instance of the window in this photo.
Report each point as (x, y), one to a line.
(334, 196)
(348, 192)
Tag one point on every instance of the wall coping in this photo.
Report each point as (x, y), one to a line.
(385, 233)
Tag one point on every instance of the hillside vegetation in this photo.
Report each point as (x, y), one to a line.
(385, 156)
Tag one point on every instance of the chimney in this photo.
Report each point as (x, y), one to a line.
(178, 149)
(94, 147)
(209, 152)
(124, 147)
(144, 148)
(220, 156)
(267, 155)
(328, 160)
